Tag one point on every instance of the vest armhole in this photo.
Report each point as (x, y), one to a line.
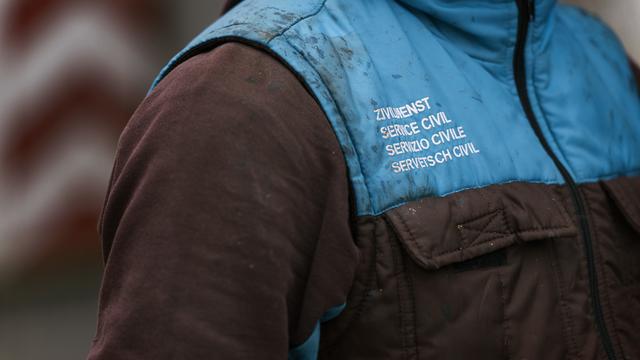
(636, 71)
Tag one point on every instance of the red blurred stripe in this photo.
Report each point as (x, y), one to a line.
(79, 95)
(70, 233)
(72, 243)
(24, 16)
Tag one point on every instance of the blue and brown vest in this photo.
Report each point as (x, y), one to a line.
(493, 149)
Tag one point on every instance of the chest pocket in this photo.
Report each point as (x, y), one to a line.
(483, 269)
(444, 231)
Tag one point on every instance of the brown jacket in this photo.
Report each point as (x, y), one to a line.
(218, 244)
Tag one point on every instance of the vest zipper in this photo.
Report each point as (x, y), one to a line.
(526, 13)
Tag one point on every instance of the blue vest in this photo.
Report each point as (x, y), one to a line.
(422, 94)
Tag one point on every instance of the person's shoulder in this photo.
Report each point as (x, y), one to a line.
(228, 69)
(232, 97)
(235, 81)
(582, 20)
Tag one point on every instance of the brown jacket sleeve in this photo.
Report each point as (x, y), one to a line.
(226, 225)
(636, 71)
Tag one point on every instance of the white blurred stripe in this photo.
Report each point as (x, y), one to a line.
(78, 36)
(78, 161)
(78, 158)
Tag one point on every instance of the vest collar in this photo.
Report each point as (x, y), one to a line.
(486, 29)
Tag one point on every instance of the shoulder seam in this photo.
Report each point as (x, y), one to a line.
(369, 204)
(313, 13)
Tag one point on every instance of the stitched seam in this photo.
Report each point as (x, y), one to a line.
(484, 233)
(564, 308)
(572, 30)
(560, 205)
(412, 344)
(377, 254)
(496, 212)
(487, 232)
(474, 242)
(346, 128)
(505, 225)
(480, 232)
(365, 295)
(476, 218)
(505, 182)
(466, 245)
(498, 236)
(493, 238)
(314, 13)
(412, 238)
(605, 286)
(371, 276)
(235, 24)
(400, 285)
(505, 326)
(401, 315)
(543, 228)
(480, 187)
(564, 161)
(473, 246)
(448, 252)
(615, 174)
(543, 111)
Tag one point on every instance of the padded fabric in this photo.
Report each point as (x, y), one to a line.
(421, 93)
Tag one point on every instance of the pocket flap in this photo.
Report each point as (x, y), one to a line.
(625, 192)
(440, 231)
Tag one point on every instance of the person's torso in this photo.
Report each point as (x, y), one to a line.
(493, 150)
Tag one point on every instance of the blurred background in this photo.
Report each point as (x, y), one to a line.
(71, 74)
